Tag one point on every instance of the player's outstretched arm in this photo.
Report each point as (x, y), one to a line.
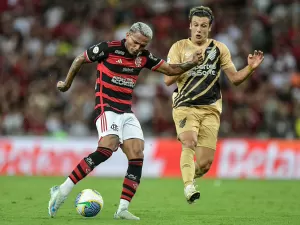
(74, 69)
(170, 80)
(238, 77)
(177, 69)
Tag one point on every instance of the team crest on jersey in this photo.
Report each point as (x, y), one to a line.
(212, 54)
(138, 62)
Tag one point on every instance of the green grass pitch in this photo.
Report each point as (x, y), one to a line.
(24, 200)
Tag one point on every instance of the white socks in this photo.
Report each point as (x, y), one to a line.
(67, 187)
(123, 205)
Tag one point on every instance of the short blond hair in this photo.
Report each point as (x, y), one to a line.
(202, 11)
(142, 28)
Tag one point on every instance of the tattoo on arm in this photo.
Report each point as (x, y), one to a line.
(74, 69)
(175, 69)
(178, 69)
(187, 66)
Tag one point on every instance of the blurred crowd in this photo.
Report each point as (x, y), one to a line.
(40, 38)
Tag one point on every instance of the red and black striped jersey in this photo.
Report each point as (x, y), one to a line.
(117, 73)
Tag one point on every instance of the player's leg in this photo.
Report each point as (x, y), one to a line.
(207, 142)
(109, 142)
(204, 159)
(133, 147)
(187, 125)
(189, 142)
(105, 148)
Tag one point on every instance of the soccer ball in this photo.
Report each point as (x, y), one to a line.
(89, 203)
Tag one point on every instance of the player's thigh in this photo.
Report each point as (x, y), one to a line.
(132, 137)
(110, 141)
(187, 125)
(209, 128)
(109, 126)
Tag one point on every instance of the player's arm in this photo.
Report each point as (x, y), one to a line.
(159, 65)
(93, 54)
(174, 61)
(169, 80)
(174, 70)
(178, 69)
(238, 77)
(74, 69)
(173, 58)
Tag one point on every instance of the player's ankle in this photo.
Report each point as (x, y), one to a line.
(124, 204)
(188, 184)
(66, 187)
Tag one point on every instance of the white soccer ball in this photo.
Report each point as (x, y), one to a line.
(89, 203)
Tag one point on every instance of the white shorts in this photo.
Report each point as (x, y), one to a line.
(125, 126)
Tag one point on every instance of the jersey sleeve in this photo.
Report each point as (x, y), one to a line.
(174, 54)
(96, 52)
(153, 62)
(226, 61)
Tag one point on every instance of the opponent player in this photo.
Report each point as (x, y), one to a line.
(119, 64)
(197, 102)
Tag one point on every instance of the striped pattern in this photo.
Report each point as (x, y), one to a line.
(103, 121)
(80, 171)
(129, 189)
(202, 89)
(105, 151)
(117, 73)
(132, 179)
(83, 168)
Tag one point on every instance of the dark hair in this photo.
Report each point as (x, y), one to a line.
(202, 11)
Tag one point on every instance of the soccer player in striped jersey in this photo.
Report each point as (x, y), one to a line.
(197, 102)
(118, 66)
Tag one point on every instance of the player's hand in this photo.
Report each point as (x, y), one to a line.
(62, 86)
(256, 59)
(197, 57)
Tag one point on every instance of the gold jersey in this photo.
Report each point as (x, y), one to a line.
(200, 85)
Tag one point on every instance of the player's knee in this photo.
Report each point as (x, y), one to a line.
(111, 142)
(137, 153)
(133, 148)
(189, 143)
(204, 165)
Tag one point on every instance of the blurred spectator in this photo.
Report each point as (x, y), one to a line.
(39, 40)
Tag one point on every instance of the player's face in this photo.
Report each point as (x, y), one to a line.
(136, 42)
(200, 29)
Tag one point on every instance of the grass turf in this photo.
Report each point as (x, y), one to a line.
(24, 200)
